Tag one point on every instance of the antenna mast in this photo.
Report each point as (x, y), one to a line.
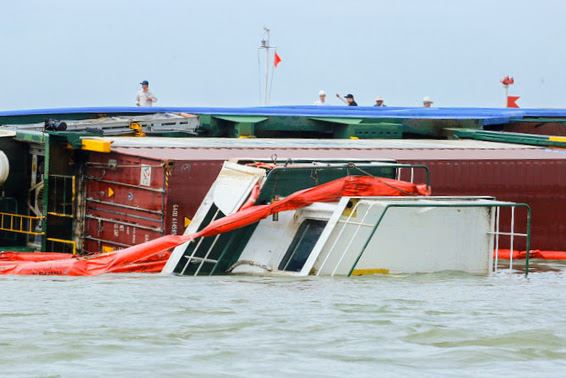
(266, 45)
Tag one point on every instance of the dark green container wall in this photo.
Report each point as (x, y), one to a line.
(284, 181)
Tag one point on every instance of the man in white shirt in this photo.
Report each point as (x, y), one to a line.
(321, 98)
(145, 97)
(379, 102)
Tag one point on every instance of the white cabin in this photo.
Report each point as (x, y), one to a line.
(354, 236)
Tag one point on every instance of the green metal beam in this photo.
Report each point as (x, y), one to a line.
(241, 119)
(541, 120)
(341, 121)
(506, 137)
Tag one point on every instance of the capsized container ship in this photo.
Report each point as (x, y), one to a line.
(258, 219)
(117, 177)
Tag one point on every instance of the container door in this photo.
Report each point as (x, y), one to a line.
(124, 203)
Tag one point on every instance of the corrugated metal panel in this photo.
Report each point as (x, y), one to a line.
(311, 143)
(221, 153)
(187, 187)
(130, 199)
(223, 148)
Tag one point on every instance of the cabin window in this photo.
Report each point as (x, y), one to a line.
(302, 245)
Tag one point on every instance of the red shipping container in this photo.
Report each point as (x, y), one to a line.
(130, 199)
(183, 170)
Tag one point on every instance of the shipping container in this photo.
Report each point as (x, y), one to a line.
(129, 199)
(146, 187)
(536, 126)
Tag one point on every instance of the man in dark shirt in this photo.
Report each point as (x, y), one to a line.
(348, 99)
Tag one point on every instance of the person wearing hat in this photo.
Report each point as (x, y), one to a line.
(321, 98)
(145, 97)
(379, 102)
(348, 99)
(427, 102)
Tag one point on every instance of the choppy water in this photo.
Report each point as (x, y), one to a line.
(417, 325)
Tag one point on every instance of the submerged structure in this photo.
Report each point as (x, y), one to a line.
(90, 180)
(386, 226)
(353, 223)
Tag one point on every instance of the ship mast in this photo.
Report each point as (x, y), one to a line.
(266, 46)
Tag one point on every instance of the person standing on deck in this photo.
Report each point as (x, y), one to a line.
(348, 99)
(427, 102)
(379, 102)
(145, 97)
(321, 98)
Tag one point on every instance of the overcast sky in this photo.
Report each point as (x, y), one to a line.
(91, 53)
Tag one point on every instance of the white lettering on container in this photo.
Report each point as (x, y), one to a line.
(174, 219)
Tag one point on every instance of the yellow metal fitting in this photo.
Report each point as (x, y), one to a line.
(96, 145)
(138, 129)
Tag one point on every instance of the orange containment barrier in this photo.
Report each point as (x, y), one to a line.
(150, 257)
(505, 254)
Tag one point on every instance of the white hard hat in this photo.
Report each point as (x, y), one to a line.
(427, 99)
(321, 93)
(378, 98)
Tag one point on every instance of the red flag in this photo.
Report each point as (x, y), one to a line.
(276, 59)
(512, 101)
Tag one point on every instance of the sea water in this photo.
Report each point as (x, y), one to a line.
(423, 325)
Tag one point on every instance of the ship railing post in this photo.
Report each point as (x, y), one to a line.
(496, 236)
(528, 241)
(512, 237)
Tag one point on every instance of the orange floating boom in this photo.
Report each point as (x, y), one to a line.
(505, 254)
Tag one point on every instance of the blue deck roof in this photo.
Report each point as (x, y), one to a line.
(486, 116)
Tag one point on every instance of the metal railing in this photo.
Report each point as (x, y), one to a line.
(65, 243)
(411, 168)
(497, 233)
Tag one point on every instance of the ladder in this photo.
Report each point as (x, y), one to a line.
(21, 224)
(62, 196)
(61, 206)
